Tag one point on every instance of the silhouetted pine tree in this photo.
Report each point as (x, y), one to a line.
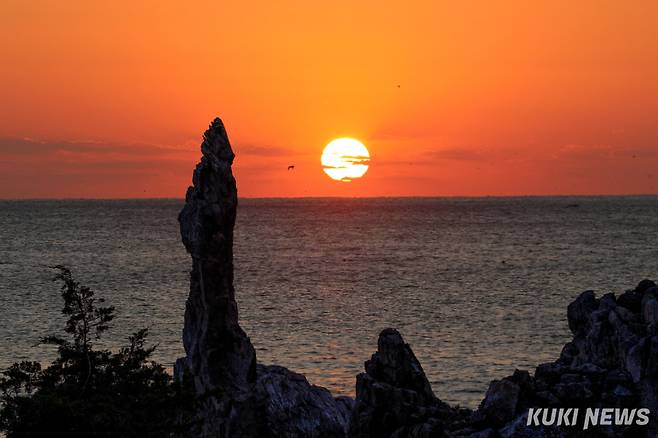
(93, 392)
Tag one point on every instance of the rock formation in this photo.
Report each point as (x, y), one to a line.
(219, 353)
(394, 397)
(612, 360)
(238, 397)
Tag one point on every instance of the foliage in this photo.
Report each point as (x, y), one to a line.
(88, 391)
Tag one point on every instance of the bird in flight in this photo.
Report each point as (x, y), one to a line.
(291, 167)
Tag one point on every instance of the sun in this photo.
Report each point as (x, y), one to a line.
(345, 159)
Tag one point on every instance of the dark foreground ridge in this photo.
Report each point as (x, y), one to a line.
(611, 362)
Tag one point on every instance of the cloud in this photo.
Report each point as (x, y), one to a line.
(569, 152)
(482, 155)
(262, 151)
(349, 161)
(459, 154)
(575, 151)
(31, 147)
(25, 147)
(54, 168)
(356, 159)
(509, 157)
(36, 168)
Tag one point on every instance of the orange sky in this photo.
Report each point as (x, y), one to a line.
(109, 99)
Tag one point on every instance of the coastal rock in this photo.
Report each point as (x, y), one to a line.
(649, 309)
(508, 398)
(612, 361)
(621, 341)
(238, 397)
(219, 353)
(500, 403)
(519, 429)
(487, 433)
(579, 311)
(394, 397)
(292, 407)
(395, 364)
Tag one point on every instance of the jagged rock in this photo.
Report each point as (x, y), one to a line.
(487, 433)
(239, 398)
(635, 360)
(632, 299)
(612, 361)
(649, 310)
(500, 402)
(394, 363)
(644, 286)
(506, 399)
(219, 353)
(294, 408)
(578, 312)
(219, 359)
(518, 428)
(394, 397)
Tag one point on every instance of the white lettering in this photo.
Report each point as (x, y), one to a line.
(563, 417)
(533, 417)
(643, 417)
(591, 417)
(544, 418)
(606, 416)
(624, 417)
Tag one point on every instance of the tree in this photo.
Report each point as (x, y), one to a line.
(93, 392)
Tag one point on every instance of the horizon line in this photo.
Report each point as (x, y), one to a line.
(182, 198)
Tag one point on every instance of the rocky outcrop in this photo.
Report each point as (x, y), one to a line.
(394, 397)
(291, 407)
(612, 362)
(238, 397)
(219, 353)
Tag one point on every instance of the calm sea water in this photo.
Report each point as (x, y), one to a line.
(478, 287)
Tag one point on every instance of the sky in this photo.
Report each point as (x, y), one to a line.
(472, 98)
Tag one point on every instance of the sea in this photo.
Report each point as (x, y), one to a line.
(478, 287)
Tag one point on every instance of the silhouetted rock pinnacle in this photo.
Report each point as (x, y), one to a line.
(219, 353)
(238, 397)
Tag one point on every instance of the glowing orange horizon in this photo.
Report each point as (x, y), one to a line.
(518, 98)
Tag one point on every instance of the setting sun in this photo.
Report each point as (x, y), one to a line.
(345, 159)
